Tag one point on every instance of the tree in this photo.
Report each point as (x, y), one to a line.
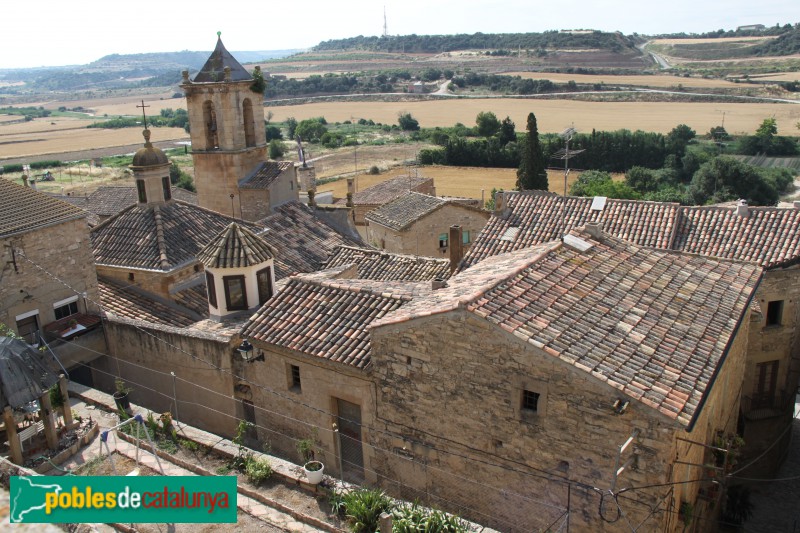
(291, 127)
(407, 122)
(597, 183)
(724, 178)
(311, 129)
(678, 138)
(532, 173)
(487, 123)
(276, 149)
(507, 133)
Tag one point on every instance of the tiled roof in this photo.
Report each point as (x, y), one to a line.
(157, 238)
(301, 240)
(24, 209)
(388, 190)
(235, 247)
(108, 201)
(768, 235)
(265, 175)
(128, 302)
(652, 324)
(404, 210)
(538, 216)
(322, 319)
(214, 69)
(383, 266)
(194, 298)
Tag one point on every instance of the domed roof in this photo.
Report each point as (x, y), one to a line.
(149, 155)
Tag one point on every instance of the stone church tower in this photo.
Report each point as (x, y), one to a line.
(227, 131)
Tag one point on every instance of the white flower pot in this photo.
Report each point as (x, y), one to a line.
(314, 476)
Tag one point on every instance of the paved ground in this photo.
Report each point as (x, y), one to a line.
(777, 504)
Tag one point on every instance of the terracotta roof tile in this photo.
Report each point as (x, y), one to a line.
(326, 319)
(157, 238)
(768, 235)
(24, 209)
(108, 201)
(301, 240)
(129, 302)
(384, 266)
(405, 210)
(235, 247)
(652, 324)
(388, 190)
(266, 173)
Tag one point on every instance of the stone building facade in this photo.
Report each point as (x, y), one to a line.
(419, 224)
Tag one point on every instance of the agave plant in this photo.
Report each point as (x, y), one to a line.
(363, 507)
(414, 518)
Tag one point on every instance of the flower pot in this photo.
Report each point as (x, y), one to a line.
(122, 401)
(314, 471)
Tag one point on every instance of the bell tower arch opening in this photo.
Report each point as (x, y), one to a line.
(210, 121)
(249, 123)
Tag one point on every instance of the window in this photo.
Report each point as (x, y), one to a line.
(530, 401)
(775, 313)
(131, 277)
(294, 377)
(264, 281)
(465, 237)
(249, 412)
(141, 191)
(235, 294)
(212, 289)
(443, 240)
(65, 308)
(28, 327)
(165, 185)
(766, 384)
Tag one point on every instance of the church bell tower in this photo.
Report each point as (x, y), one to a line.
(227, 129)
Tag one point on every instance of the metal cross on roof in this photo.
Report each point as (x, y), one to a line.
(144, 117)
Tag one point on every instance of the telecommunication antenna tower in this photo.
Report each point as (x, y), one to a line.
(385, 27)
(565, 153)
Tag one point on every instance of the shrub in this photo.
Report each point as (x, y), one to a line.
(413, 518)
(276, 149)
(374, 170)
(364, 507)
(257, 470)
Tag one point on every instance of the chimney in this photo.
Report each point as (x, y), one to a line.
(185, 75)
(433, 190)
(499, 202)
(741, 208)
(456, 247)
(311, 201)
(351, 186)
(594, 229)
(796, 204)
(438, 283)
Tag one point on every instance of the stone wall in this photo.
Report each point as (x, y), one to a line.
(422, 237)
(449, 393)
(159, 283)
(63, 250)
(144, 354)
(217, 175)
(286, 414)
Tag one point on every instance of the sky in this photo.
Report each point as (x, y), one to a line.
(61, 32)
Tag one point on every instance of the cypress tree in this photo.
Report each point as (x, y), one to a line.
(532, 173)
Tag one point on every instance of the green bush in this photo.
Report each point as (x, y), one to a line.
(413, 518)
(257, 470)
(363, 508)
(276, 149)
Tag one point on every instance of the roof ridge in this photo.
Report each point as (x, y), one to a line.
(162, 243)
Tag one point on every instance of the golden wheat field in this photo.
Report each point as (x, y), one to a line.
(649, 81)
(470, 182)
(781, 76)
(60, 141)
(555, 115)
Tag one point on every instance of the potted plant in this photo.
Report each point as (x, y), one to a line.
(314, 469)
(121, 396)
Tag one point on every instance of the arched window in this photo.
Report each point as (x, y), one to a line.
(210, 121)
(249, 123)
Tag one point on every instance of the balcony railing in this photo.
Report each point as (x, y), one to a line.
(763, 406)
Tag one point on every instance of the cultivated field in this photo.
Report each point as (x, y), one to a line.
(128, 107)
(58, 141)
(125, 101)
(782, 76)
(708, 40)
(642, 81)
(555, 115)
(470, 182)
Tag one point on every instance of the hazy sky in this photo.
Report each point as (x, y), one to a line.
(62, 32)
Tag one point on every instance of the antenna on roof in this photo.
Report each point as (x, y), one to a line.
(565, 153)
